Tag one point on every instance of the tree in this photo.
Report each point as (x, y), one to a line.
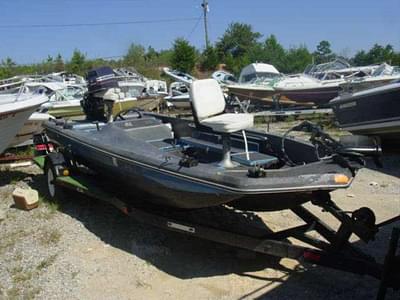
(77, 63)
(237, 40)
(135, 56)
(297, 59)
(209, 59)
(7, 67)
(274, 53)
(183, 56)
(323, 53)
(360, 58)
(59, 63)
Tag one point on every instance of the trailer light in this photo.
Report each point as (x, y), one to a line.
(65, 172)
(341, 178)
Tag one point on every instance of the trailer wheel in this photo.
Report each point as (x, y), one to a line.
(53, 191)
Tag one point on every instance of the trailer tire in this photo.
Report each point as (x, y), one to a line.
(54, 192)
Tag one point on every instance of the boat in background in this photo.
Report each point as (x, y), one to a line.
(179, 76)
(178, 95)
(31, 127)
(63, 99)
(224, 78)
(256, 83)
(381, 75)
(374, 111)
(15, 109)
(307, 90)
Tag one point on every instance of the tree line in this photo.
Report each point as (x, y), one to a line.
(239, 46)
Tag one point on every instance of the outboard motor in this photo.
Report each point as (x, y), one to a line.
(98, 100)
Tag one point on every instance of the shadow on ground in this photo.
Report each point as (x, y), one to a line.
(390, 164)
(187, 257)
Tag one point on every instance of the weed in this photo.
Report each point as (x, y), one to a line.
(21, 276)
(44, 264)
(50, 237)
(53, 206)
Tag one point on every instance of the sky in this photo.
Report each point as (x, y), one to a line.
(349, 25)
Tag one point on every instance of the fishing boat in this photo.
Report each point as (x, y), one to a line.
(373, 111)
(15, 109)
(216, 159)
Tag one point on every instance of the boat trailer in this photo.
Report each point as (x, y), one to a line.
(335, 251)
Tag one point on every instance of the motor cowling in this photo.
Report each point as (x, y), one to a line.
(100, 81)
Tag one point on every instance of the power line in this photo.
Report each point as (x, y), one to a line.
(98, 24)
(194, 27)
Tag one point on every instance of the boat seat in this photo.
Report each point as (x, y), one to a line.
(238, 154)
(229, 122)
(208, 104)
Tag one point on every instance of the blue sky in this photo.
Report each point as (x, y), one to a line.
(349, 25)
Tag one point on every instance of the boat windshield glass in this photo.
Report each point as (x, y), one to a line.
(384, 69)
(260, 77)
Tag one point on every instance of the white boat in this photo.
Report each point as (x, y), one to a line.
(156, 87)
(31, 127)
(11, 85)
(178, 95)
(224, 78)
(63, 99)
(305, 89)
(179, 76)
(15, 110)
(256, 83)
(382, 75)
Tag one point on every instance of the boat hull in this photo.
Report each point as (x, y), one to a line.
(372, 112)
(252, 93)
(149, 104)
(31, 127)
(13, 119)
(318, 96)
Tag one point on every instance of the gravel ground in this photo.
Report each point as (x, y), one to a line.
(82, 249)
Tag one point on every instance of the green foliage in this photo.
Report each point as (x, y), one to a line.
(237, 41)
(376, 55)
(323, 53)
(77, 63)
(135, 56)
(183, 56)
(274, 53)
(297, 58)
(209, 59)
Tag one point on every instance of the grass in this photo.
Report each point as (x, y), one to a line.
(44, 264)
(10, 239)
(50, 237)
(52, 206)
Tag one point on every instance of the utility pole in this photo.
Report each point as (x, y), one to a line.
(205, 11)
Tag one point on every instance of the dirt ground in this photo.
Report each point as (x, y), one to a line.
(82, 249)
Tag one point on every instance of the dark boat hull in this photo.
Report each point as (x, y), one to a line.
(318, 96)
(371, 112)
(134, 167)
